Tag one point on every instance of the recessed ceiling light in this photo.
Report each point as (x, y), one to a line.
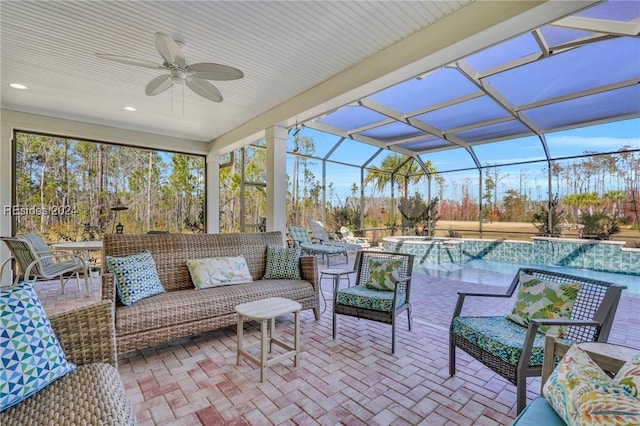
(129, 108)
(18, 86)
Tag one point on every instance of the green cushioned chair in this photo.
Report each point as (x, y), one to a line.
(373, 304)
(514, 351)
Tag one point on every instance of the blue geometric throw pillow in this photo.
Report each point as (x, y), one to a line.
(136, 276)
(30, 355)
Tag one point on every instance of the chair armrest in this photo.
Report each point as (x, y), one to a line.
(79, 260)
(554, 349)
(483, 294)
(5, 262)
(87, 334)
(108, 283)
(534, 324)
(462, 295)
(309, 271)
(566, 321)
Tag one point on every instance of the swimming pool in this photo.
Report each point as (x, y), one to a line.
(491, 272)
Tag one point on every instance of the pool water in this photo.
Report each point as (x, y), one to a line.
(491, 272)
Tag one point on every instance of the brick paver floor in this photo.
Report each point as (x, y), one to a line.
(352, 380)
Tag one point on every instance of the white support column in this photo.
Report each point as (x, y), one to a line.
(6, 167)
(213, 193)
(276, 137)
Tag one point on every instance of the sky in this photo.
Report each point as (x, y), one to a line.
(552, 78)
(600, 138)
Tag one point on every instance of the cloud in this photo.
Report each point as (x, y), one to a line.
(592, 143)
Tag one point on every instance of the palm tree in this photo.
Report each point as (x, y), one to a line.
(616, 197)
(397, 169)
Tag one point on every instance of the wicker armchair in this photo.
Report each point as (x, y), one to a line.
(93, 393)
(515, 352)
(376, 305)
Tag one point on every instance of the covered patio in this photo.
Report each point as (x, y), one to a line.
(352, 380)
(452, 87)
(443, 87)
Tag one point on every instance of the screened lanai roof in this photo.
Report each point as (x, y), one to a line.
(578, 71)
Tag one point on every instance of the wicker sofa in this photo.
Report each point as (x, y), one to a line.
(93, 394)
(184, 311)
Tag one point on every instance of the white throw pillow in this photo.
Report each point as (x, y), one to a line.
(218, 271)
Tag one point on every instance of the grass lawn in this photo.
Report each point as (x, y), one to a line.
(521, 231)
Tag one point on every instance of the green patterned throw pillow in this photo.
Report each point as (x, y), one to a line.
(383, 274)
(282, 263)
(30, 354)
(541, 299)
(136, 276)
(217, 271)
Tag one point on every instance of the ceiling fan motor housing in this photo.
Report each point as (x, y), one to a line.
(178, 76)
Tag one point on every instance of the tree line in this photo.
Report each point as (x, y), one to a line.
(67, 188)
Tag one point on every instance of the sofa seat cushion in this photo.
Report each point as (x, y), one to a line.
(359, 296)
(539, 412)
(93, 394)
(183, 306)
(501, 337)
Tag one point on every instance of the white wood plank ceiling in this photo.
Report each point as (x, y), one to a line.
(284, 48)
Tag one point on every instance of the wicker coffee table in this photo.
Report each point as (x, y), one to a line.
(265, 311)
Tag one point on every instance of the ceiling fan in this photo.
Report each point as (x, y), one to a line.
(194, 76)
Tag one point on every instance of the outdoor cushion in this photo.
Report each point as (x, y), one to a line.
(282, 263)
(322, 248)
(538, 413)
(361, 297)
(543, 299)
(212, 304)
(30, 354)
(136, 276)
(582, 394)
(215, 271)
(300, 235)
(500, 337)
(383, 274)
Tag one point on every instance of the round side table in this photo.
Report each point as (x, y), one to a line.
(337, 274)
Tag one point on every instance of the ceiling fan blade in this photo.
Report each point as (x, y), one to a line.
(210, 71)
(158, 85)
(130, 61)
(204, 89)
(169, 50)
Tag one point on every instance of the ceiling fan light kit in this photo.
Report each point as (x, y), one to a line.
(193, 76)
